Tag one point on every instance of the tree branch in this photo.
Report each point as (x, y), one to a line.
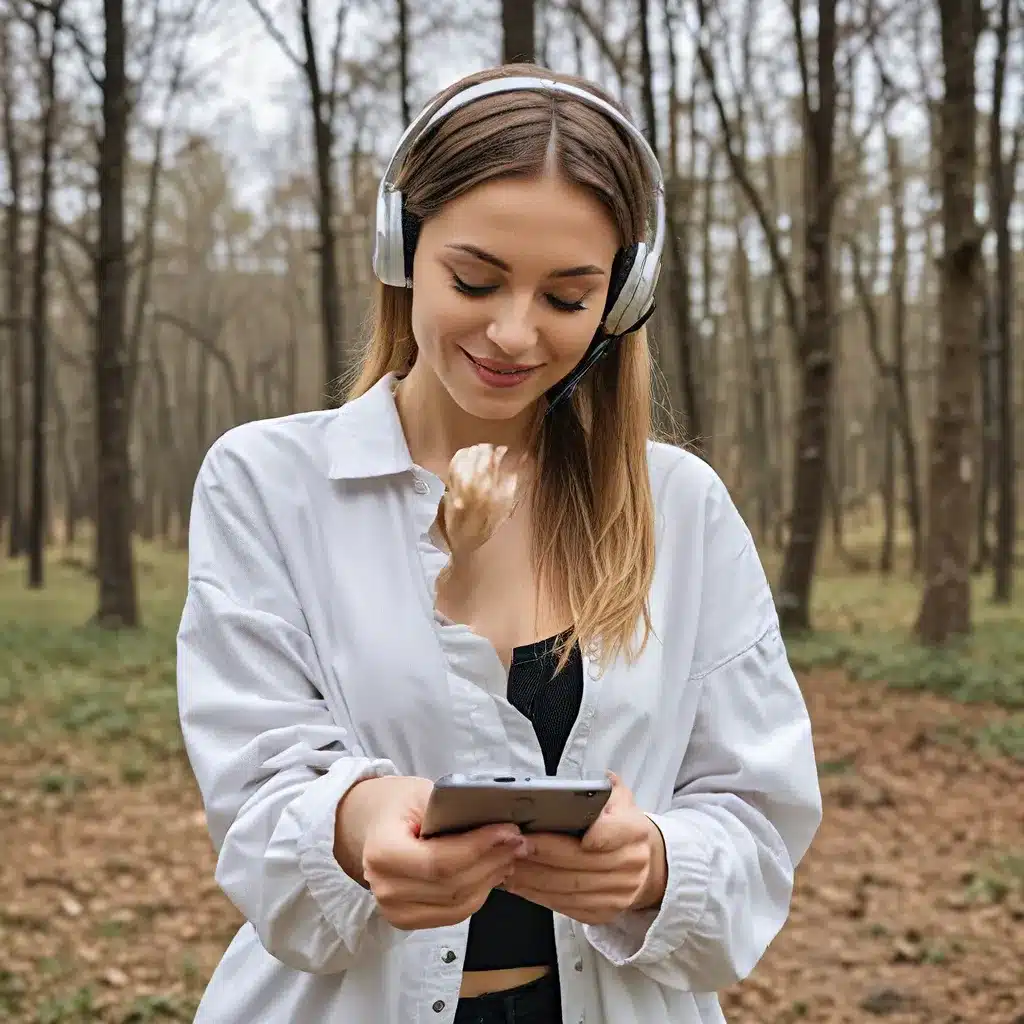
(741, 173)
(82, 44)
(67, 273)
(339, 36)
(275, 33)
(797, 8)
(595, 31)
(241, 407)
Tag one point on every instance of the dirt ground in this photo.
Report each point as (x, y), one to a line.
(909, 908)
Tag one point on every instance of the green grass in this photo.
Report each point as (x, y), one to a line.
(864, 626)
(60, 673)
(116, 691)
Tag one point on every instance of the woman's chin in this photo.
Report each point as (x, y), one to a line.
(485, 402)
(493, 407)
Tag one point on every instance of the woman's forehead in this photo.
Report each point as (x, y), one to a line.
(519, 218)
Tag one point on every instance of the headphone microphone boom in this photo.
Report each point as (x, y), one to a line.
(636, 267)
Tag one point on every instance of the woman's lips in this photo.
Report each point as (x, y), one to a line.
(497, 374)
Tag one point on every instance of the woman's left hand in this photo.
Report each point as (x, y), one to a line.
(618, 865)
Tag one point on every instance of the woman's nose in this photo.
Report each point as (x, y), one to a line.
(513, 329)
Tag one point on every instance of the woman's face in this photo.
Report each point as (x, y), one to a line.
(509, 284)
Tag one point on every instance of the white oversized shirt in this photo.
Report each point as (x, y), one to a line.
(310, 657)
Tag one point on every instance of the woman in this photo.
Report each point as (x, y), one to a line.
(367, 611)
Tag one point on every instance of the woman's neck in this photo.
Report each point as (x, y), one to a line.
(436, 427)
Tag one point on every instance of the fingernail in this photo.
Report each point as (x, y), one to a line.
(525, 848)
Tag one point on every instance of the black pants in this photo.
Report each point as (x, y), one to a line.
(538, 1002)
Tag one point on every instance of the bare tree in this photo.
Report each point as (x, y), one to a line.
(811, 321)
(115, 565)
(946, 602)
(11, 476)
(323, 93)
(47, 40)
(678, 235)
(1002, 182)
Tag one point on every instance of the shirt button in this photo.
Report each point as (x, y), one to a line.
(449, 956)
(421, 486)
(438, 1006)
(578, 965)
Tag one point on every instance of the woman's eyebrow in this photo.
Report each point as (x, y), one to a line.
(588, 270)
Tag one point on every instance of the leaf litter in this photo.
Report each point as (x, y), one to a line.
(909, 909)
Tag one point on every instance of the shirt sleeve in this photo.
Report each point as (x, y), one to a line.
(271, 760)
(746, 803)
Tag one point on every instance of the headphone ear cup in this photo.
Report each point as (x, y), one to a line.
(621, 266)
(635, 294)
(389, 250)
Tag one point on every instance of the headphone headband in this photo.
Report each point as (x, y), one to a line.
(631, 293)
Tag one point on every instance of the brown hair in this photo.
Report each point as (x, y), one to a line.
(593, 493)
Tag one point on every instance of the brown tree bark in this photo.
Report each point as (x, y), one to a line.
(988, 450)
(946, 601)
(322, 110)
(518, 31)
(12, 475)
(403, 61)
(678, 235)
(115, 564)
(1002, 178)
(47, 42)
(904, 419)
(809, 317)
(814, 349)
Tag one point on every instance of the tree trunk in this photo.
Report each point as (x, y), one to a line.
(1002, 176)
(946, 602)
(815, 348)
(321, 110)
(988, 449)
(115, 566)
(904, 419)
(518, 40)
(40, 298)
(885, 557)
(678, 236)
(13, 474)
(403, 61)
(62, 445)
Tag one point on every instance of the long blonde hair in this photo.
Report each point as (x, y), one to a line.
(593, 494)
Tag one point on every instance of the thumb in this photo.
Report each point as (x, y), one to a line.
(607, 833)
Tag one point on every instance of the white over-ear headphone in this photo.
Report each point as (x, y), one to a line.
(635, 275)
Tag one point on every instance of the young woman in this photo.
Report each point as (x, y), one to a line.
(482, 563)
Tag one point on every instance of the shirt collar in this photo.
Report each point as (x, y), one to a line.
(366, 439)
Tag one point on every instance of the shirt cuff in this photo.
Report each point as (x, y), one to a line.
(646, 936)
(343, 901)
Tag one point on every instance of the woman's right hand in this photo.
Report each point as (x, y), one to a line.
(480, 496)
(419, 883)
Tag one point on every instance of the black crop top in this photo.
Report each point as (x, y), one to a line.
(508, 931)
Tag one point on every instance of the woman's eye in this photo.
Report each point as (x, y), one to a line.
(475, 290)
(564, 306)
(480, 290)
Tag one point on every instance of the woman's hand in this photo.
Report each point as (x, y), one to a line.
(418, 883)
(480, 497)
(618, 865)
